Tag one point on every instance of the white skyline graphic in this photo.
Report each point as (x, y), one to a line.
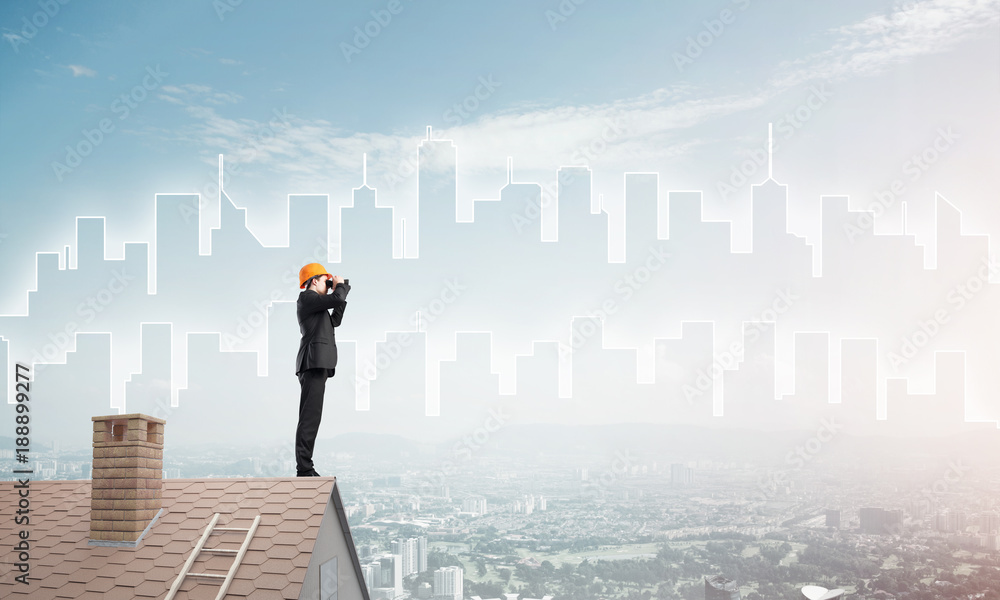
(704, 357)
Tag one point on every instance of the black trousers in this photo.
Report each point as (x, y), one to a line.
(313, 382)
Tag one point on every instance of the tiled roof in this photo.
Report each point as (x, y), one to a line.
(64, 565)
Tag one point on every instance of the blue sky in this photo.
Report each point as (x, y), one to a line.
(688, 86)
(225, 77)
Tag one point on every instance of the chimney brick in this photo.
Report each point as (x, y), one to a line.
(127, 484)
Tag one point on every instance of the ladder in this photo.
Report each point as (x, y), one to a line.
(200, 547)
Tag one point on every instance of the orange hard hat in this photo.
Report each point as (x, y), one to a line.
(309, 271)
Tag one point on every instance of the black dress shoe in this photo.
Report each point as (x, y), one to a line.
(310, 473)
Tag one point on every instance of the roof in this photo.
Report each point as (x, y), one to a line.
(64, 565)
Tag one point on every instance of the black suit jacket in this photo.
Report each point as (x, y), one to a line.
(318, 348)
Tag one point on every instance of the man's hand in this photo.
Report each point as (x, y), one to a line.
(337, 279)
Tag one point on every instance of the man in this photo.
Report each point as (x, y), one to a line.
(317, 358)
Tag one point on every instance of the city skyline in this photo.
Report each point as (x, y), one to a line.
(710, 235)
(708, 364)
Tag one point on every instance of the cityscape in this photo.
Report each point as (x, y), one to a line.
(589, 513)
(648, 301)
(854, 484)
(807, 343)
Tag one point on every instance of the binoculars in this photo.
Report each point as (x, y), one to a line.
(329, 283)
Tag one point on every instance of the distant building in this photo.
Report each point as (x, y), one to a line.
(372, 574)
(879, 520)
(950, 521)
(366, 550)
(989, 522)
(833, 518)
(413, 554)
(474, 504)
(406, 549)
(721, 588)
(524, 506)
(422, 554)
(448, 583)
(384, 576)
(681, 474)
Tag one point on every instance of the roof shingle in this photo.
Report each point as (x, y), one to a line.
(64, 565)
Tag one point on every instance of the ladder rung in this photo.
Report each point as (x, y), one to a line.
(200, 547)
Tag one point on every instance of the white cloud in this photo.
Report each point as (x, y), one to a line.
(195, 94)
(638, 130)
(80, 70)
(876, 43)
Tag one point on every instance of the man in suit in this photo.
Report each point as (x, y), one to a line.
(317, 358)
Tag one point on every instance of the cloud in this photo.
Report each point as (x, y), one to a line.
(79, 70)
(880, 41)
(642, 129)
(190, 94)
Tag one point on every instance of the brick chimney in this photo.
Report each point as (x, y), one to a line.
(127, 478)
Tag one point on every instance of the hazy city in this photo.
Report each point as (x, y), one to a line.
(651, 511)
(647, 301)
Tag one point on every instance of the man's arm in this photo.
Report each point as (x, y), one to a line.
(338, 310)
(313, 302)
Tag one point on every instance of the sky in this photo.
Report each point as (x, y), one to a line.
(104, 105)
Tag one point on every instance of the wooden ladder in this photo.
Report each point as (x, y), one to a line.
(200, 547)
